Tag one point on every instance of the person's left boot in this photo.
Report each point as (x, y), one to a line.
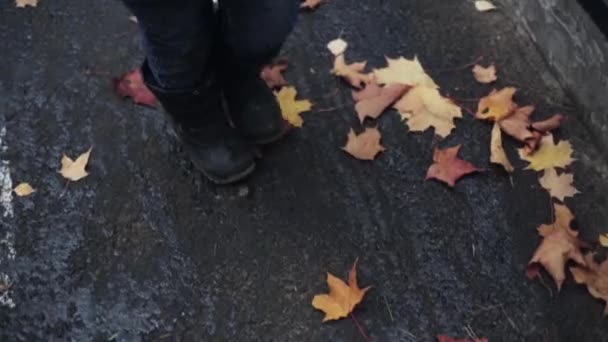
(251, 105)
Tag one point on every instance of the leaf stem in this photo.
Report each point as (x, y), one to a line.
(360, 328)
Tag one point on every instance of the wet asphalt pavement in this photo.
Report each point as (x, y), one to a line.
(145, 249)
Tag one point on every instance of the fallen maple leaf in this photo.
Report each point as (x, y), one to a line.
(24, 189)
(595, 276)
(549, 124)
(484, 75)
(560, 244)
(559, 186)
(75, 170)
(484, 6)
(24, 3)
(131, 84)
(310, 4)
(272, 74)
(548, 154)
(337, 46)
(371, 90)
(290, 107)
(497, 105)
(404, 71)
(517, 123)
(497, 152)
(424, 107)
(373, 107)
(447, 167)
(364, 146)
(445, 338)
(603, 240)
(352, 73)
(342, 298)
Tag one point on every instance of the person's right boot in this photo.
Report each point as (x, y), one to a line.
(198, 120)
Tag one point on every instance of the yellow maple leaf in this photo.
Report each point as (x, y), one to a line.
(75, 170)
(603, 239)
(559, 186)
(24, 189)
(342, 298)
(364, 146)
(548, 154)
(424, 107)
(352, 73)
(290, 107)
(497, 152)
(496, 106)
(404, 71)
(24, 3)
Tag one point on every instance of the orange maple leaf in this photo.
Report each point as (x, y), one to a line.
(310, 4)
(352, 73)
(342, 298)
(364, 146)
(447, 167)
(595, 276)
(560, 244)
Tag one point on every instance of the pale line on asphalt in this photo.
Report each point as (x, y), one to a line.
(8, 241)
(6, 183)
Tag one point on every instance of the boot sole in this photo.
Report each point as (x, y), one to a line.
(233, 179)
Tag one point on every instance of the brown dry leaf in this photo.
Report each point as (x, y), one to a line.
(342, 298)
(517, 123)
(404, 71)
(549, 124)
(310, 4)
(548, 154)
(560, 244)
(424, 107)
(272, 74)
(75, 170)
(290, 107)
(373, 107)
(496, 106)
(364, 146)
(24, 189)
(352, 73)
(497, 152)
(595, 276)
(372, 89)
(559, 186)
(447, 167)
(24, 3)
(484, 75)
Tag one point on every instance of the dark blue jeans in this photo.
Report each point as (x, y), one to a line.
(185, 40)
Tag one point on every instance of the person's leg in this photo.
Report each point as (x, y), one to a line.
(252, 34)
(180, 69)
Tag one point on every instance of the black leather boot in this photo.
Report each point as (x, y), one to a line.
(251, 105)
(200, 123)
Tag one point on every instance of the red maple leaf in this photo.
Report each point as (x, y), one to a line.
(447, 167)
(272, 74)
(131, 84)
